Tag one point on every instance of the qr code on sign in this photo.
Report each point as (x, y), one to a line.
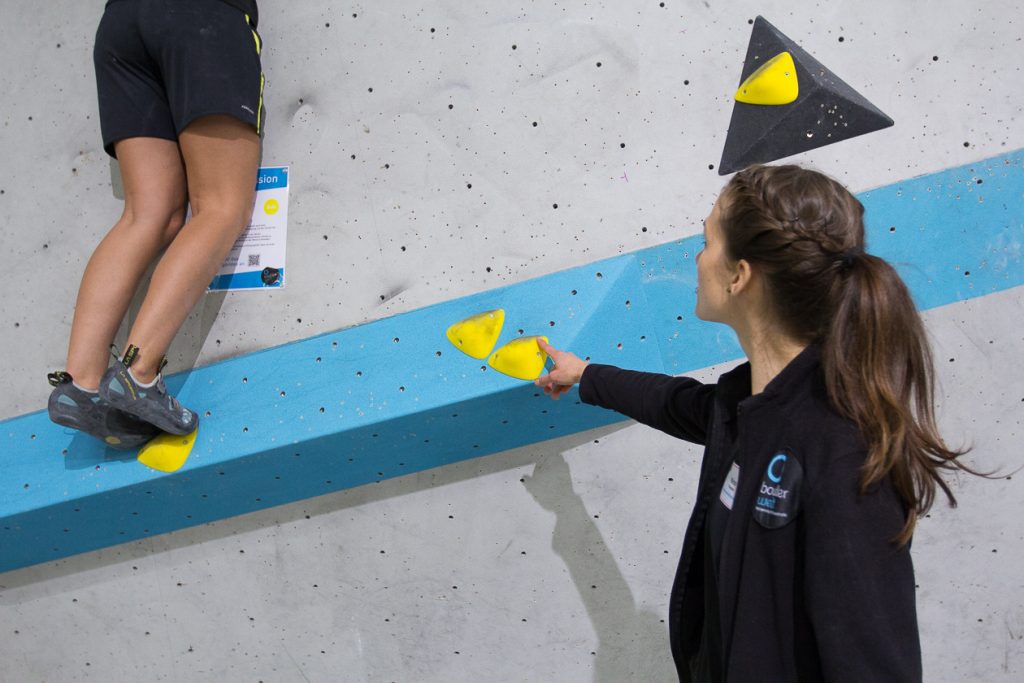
(254, 259)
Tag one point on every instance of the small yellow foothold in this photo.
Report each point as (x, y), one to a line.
(168, 452)
(774, 83)
(476, 336)
(520, 358)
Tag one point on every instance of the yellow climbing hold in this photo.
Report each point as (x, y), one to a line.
(774, 82)
(476, 336)
(520, 358)
(168, 452)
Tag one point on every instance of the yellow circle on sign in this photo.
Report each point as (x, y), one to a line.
(270, 206)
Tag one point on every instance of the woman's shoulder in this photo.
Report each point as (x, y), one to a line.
(822, 438)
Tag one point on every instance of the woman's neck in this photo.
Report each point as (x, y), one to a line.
(767, 346)
(769, 352)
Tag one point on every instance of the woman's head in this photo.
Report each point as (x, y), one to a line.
(802, 232)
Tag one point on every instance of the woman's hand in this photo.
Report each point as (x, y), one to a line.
(566, 372)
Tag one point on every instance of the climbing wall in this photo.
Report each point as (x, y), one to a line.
(446, 159)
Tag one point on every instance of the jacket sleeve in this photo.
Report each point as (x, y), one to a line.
(679, 406)
(858, 583)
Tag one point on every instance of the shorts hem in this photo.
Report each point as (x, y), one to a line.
(108, 147)
(244, 118)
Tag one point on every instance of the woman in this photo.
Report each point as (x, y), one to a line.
(821, 451)
(181, 108)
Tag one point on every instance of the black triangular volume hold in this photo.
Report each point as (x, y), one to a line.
(827, 110)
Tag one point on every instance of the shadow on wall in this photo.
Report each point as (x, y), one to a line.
(620, 626)
(625, 633)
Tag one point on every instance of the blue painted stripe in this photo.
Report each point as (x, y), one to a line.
(393, 397)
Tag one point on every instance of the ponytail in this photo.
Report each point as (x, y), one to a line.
(879, 373)
(805, 234)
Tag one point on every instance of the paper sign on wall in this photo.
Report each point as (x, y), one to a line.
(256, 260)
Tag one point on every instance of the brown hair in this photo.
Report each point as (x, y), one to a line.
(805, 233)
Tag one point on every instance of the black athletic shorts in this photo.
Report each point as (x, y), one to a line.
(161, 64)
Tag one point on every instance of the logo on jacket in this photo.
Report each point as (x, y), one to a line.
(778, 497)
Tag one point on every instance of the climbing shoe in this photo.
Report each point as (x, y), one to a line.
(72, 406)
(149, 402)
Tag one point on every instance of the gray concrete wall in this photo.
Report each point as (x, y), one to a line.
(553, 562)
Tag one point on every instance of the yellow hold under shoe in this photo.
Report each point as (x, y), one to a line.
(168, 452)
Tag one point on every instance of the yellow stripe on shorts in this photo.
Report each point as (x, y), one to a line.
(255, 36)
(259, 107)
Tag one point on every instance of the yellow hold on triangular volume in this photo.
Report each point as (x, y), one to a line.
(168, 452)
(774, 82)
(476, 336)
(520, 358)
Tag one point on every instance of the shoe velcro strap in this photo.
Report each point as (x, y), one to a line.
(130, 354)
(58, 377)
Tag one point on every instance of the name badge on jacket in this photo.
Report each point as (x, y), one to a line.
(778, 495)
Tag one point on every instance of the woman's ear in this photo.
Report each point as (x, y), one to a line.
(742, 276)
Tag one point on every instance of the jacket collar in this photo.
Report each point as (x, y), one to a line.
(734, 386)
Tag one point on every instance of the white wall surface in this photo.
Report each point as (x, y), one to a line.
(553, 562)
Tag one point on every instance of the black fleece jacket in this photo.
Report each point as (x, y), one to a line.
(810, 585)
